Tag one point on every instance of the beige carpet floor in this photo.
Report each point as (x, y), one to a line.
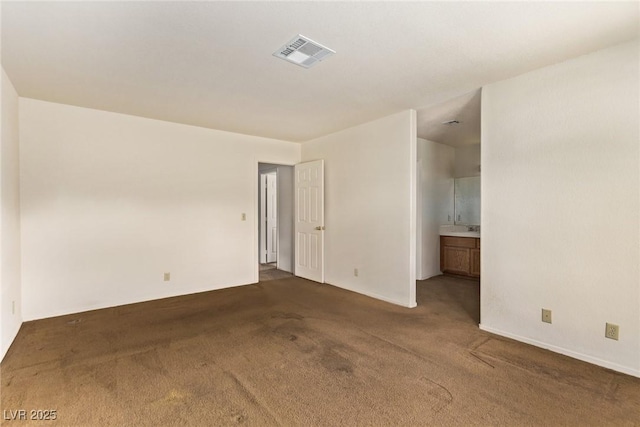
(292, 352)
(270, 272)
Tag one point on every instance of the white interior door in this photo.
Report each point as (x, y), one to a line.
(309, 220)
(272, 217)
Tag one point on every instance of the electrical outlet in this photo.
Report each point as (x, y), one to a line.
(244, 216)
(355, 272)
(546, 315)
(167, 277)
(612, 331)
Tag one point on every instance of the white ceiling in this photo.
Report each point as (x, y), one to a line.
(210, 64)
(465, 109)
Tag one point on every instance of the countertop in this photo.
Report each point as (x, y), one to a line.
(459, 231)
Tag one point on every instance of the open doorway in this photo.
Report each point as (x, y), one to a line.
(448, 198)
(275, 221)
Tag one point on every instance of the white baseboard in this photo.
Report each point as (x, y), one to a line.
(584, 357)
(133, 299)
(376, 296)
(429, 276)
(12, 337)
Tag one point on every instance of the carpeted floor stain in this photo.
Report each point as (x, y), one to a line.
(292, 352)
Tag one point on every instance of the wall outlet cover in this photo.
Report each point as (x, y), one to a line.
(612, 331)
(546, 315)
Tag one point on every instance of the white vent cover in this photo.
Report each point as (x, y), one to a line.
(303, 51)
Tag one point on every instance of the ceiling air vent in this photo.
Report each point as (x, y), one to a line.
(303, 51)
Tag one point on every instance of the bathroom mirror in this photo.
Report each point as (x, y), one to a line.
(467, 200)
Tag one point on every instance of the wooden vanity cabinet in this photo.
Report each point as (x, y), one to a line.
(460, 256)
(474, 270)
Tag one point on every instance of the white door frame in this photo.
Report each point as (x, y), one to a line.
(272, 221)
(263, 213)
(256, 211)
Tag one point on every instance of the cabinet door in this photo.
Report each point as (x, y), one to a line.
(475, 263)
(456, 260)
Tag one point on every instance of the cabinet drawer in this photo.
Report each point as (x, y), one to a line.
(460, 242)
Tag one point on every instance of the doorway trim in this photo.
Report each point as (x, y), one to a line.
(266, 202)
(256, 210)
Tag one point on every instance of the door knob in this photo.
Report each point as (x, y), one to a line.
(320, 227)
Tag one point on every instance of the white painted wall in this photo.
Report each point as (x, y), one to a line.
(435, 203)
(10, 281)
(110, 202)
(370, 208)
(467, 161)
(560, 207)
